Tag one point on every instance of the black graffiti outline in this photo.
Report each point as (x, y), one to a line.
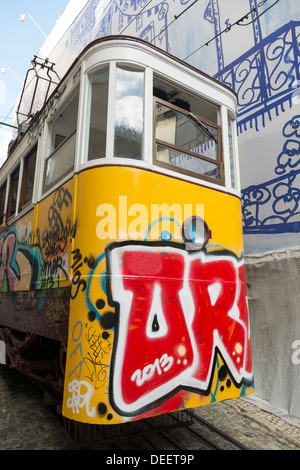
(217, 353)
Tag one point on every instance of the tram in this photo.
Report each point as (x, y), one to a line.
(121, 251)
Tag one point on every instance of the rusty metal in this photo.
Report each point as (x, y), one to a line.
(40, 70)
(43, 313)
(85, 435)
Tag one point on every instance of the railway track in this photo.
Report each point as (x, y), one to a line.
(179, 431)
(199, 435)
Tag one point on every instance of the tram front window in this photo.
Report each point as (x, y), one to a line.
(98, 114)
(129, 113)
(186, 132)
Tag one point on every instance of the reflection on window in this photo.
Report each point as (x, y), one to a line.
(186, 142)
(28, 179)
(98, 114)
(66, 123)
(187, 162)
(186, 131)
(2, 202)
(13, 192)
(231, 152)
(61, 160)
(129, 121)
(181, 98)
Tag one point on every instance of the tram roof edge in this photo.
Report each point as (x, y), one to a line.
(111, 38)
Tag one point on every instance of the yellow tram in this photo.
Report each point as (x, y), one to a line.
(121, 251)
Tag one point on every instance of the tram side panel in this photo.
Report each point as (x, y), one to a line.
(154, 326)
(35, 274)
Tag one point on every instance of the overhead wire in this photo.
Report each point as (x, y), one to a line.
(239, 22)
(6, 117)
(175, 19)
(135, 17)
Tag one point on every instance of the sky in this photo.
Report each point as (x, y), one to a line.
(19, 42)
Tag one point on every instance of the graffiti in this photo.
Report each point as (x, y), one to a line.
(53, 240)
(16, 259)
(76, 278)
(77, 339)
(97, 360)
(56, 309)
(81, 394)
(274, 206)
(160, 365)
(51, 272)
(177, 310)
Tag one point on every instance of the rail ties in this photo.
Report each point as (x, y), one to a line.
(200, 435)
(215, 432)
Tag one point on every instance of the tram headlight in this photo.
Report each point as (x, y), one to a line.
(195, 232)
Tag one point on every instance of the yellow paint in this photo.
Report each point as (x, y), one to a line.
(114, 204)
(53, 236)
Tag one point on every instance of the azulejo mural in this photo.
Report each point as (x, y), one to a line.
(274, 206)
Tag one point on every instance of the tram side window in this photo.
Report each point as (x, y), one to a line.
(13, 192)
(2, 202)
(28, 179)
(129, 121)
(187, 136)
(63, 142)
(98, 114)
(231, 152)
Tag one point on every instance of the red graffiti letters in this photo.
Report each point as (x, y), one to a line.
(175, 311)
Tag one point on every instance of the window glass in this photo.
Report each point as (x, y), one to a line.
(13, 192)
(183, 99)
(2, 202)
(129, 120)
(231, 153)
(187, 162)
(61, 161)
(63, 143)
(28, 178)
(186, 132)
(98, 114)
(65, 124)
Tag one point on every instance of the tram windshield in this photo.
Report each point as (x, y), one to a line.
(184, 141)
(129, 113)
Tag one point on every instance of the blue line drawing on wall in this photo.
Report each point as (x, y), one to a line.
(265, 78)
(274, 206)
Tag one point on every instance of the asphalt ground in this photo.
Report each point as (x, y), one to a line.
(27, 424)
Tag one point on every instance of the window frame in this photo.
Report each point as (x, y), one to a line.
(3, 196)
(22, 204)
(219, 161)
(50, 139)
(11, 215)
(65, 173)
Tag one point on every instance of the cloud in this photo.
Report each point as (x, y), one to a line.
(129, 112)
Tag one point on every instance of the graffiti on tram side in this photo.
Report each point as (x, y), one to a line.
(170, 318)
(176, 309)
(38, 261)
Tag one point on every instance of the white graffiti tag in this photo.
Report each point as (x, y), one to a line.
(164, 363)
(80, 397)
